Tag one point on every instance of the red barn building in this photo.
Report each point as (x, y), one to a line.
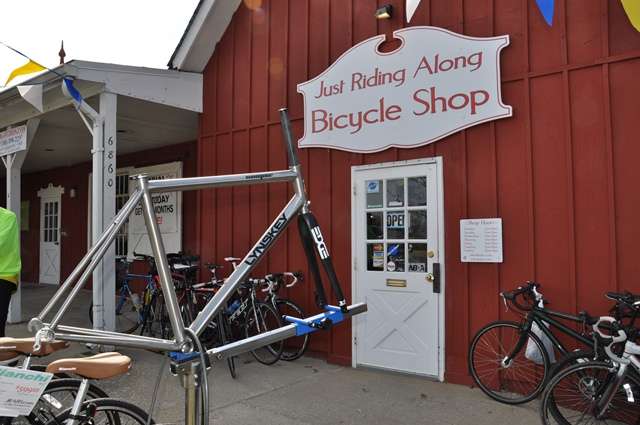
(560, 172)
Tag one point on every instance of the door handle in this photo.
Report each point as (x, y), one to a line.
(436, 278)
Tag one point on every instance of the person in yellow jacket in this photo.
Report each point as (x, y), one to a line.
(10, 263)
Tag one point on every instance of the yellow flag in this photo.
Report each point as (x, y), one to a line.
(632, 7)
(28, 68)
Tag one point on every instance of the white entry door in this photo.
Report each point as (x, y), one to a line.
(398, 252)
(50, 218)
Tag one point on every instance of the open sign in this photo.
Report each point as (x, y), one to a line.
(395, 220)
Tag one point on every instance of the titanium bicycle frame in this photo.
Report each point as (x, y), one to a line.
(185, 361)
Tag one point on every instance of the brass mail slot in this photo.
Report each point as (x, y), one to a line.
(398, 283)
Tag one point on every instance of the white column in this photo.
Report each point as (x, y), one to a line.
(103, 206)
(13, 164)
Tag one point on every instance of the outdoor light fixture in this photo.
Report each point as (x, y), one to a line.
(384, 12)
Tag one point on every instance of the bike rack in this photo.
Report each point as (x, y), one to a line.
(185, 359)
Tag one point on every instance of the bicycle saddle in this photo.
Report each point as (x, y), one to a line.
(100, 366)
(212, 266)
(232, 259)
(24, 346)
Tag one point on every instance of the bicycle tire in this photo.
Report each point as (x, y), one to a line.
(51, 404)
(111, 408)
(294, 347)
(224, 333)
(514, 386)
(127, 316)
(260, 318)
(590, 377)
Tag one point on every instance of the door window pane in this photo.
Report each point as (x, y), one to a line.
(417, 191)
(375, 257)
(395, 193)
(374, 193)
(395, 224)
(418, 224)
(418, 257)
(395, 257)
(375, 228)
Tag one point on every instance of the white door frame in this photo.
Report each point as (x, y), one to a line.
(50, 191)
(441, 251)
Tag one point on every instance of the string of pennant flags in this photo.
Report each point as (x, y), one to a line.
(33, 93)
(547, 7)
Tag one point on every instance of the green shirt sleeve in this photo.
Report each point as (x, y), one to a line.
(10, 264)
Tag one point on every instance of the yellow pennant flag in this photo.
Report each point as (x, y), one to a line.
(28, 68)
(632, 7)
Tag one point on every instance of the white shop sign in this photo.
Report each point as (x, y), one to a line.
(168, 210)
(437, 83)
(481, 240)
(20, 390)
(13, 140)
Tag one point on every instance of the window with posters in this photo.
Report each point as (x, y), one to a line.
(133, 235)
(168, 210)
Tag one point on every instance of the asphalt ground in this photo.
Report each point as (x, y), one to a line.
(308, 391)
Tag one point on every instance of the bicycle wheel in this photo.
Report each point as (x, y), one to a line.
(127, 313)
(572, 396)
(260, 319)
(294, 347)
(107, 411)
(224, 334)
(56, 398)
(519, 381)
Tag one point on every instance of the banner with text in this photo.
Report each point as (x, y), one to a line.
(13, 140)
(435, 84)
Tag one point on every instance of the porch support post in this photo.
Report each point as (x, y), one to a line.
(13, 164)
(103, 209)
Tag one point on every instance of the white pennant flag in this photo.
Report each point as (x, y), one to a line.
(33, 95)
(411, 7)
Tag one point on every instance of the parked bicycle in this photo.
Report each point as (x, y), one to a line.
(59, 394)
(498, 354)
(294, 347)
(599, 392)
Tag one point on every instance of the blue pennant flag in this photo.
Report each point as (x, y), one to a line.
(75, 94)
(546, 8)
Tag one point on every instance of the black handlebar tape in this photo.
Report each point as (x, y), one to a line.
(307, 244)
(314, 230)
(288, 138)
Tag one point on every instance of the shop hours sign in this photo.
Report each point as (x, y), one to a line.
(437, 83)
(481, 240)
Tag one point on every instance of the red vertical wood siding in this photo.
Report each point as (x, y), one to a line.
(561, 172)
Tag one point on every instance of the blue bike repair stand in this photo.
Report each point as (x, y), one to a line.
(324, 320)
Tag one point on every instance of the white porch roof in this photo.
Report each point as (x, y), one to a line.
(156, 107)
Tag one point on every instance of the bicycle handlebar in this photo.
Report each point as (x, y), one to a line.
(530, 288)
(609, 340)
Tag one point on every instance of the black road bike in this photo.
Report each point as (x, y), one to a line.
(498, 359)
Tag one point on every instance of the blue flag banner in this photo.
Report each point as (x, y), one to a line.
(75, 94)
(546, 8)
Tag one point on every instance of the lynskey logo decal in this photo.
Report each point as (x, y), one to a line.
(264, 243)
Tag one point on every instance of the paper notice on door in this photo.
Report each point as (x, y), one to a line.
(20, 390)
(481, 240)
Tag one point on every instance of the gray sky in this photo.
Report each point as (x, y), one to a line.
(128, 32)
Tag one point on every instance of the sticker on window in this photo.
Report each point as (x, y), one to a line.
(418, 255)
(375, 257)
(395, 257)
(374, 193)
